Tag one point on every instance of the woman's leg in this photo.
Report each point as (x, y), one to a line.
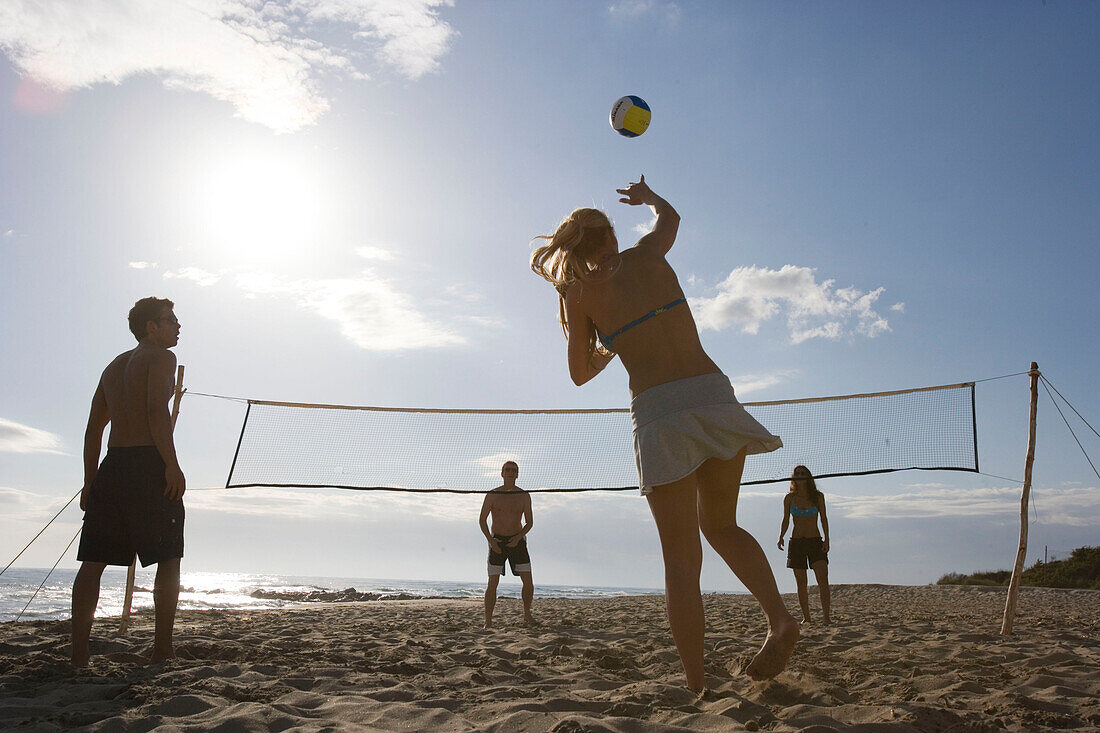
(719, 485)
(803, 593)
(674, 510)
(821, 570)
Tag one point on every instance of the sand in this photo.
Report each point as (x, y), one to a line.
(897, 658)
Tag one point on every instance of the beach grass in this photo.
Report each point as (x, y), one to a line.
(1080, 570)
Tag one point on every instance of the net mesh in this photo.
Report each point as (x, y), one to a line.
(290, 444)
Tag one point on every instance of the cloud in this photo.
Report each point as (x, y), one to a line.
(257, 56)
(1074, 507)
(143, 265)
(491, 465)
(899, 307)
(670, 12)
(412, 37)
(752, 295)
(9, 233)
(202, 278)
(38, 99)
(304, 503)
(339, 505)
(261, 283)
(369, 311)
(17, 438)
(481, 323)
(462, 292)
(28, 506)
(747, 383)
(645, 228)
(375, 253)
(574, 511)
(13, 500)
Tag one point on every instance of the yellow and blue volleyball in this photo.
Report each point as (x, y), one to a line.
(630, 116)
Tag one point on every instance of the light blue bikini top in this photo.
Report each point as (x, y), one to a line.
(606, 340)
(796, 512)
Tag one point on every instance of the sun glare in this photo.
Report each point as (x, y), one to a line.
(260, 209)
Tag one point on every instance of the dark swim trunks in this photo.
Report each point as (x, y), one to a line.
(518, 556)
(803, 552)
(127, 511)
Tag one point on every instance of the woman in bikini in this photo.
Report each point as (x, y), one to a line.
(690, 434)
(808, 549)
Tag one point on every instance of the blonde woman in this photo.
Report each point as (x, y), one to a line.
(690, 434)
(808, 549)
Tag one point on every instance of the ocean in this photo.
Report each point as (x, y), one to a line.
(248, 591)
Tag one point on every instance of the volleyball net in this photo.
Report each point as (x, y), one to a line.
(287, 444)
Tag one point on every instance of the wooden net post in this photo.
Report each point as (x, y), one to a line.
(124, 624)
(128, 598)
(1021, 552)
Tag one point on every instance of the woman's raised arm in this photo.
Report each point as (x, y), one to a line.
(664, 231)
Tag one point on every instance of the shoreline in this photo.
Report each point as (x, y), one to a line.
(901, 657)
(300, 605)
(200, 590)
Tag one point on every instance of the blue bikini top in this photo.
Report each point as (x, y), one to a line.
(606, 340)
(796, 512)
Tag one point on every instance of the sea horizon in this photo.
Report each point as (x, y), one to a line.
(218, 590)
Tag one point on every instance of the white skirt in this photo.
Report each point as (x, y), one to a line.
(679, 425)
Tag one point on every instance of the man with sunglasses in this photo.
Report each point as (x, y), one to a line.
(133, 501)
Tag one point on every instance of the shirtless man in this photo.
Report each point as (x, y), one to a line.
(510, 507)
(133, 501)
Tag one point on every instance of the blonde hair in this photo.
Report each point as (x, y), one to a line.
(563, 260)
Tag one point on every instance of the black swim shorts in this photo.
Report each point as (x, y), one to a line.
(127, 511)
(517, 556)
(804, 552)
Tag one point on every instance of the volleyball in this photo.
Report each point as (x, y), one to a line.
(630, 116)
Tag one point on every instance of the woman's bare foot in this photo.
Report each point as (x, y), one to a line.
(773, 656)
(160, 655)
(704, 695)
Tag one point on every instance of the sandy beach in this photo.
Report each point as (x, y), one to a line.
(898, 658)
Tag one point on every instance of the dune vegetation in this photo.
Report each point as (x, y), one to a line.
(1080, 570)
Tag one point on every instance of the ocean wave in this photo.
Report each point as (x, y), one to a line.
(347, 594)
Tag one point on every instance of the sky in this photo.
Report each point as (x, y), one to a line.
(340, 198)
